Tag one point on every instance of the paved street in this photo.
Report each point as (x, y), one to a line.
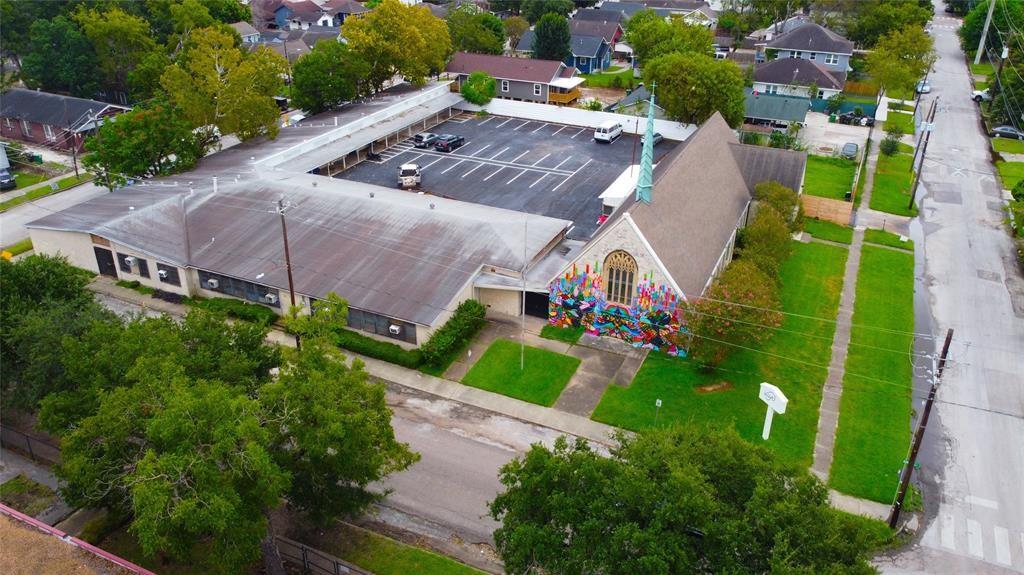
(12, 222)
(973, 456)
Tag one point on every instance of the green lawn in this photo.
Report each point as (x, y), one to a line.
(566, 334)
(891, 192)
(904, 121)
(26, 179)
(19, 247)
(26, 495)
(541, 382)
(982, 69)
(823, 230)
(606, 79)
(1008, 146)
(811, 280)
(42, 192)
(829, 177)
(884, 238)
(1011, 173)
(874, 416)
(899, 106)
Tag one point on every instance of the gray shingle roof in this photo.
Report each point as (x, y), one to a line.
(603, 29)
(812, 37)
(763, 164)
(505, 67)
(599, 15)
(50, 109)
(587, 46)
(800, 72)
(776, 107)
(244, 29)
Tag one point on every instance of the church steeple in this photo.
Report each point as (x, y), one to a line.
(646, 181)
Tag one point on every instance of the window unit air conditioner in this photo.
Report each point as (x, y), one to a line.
(270, 298)
(394, 329)
(162, 274)
(213, 283)
(129, 261)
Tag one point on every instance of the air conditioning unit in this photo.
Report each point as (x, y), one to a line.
(129, 260)
(213, 283)
(394, 329)
(270, 298)
(162, 274)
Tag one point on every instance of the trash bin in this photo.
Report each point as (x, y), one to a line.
(832, 118)
(37, 158)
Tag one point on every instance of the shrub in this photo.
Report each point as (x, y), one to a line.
(889, 145)
(1018, 191)
(238, 309)
(465, 323)
(893, 130)
(135, 285)
(784, 200)
(616, 81)
(858, 111)
(478, 88)
(834, 103)
(752, 138)
(593, 104)
(377, 349)
(1015, 210)
(768, 234)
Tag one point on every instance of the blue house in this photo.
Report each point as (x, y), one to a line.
(589, 53)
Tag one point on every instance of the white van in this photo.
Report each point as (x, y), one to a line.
(608, 131)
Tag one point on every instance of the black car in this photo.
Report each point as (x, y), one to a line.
(448, 142)
(7, 180)
(425, 140)
(1007, 132)
(854, 119)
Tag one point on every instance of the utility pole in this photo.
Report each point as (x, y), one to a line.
(984, 31)
(522, 312)
(924, 150)
(997, 87)
(288, 262)
(908, 468)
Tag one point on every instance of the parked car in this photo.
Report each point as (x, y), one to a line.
(424, 140)
(1007, 132)
(448, 142)
(655, 140)
(7, 180)
(849, 151)
(409, 176)
(981, 96)
(923, 87)
(854, 119)
(608, 131)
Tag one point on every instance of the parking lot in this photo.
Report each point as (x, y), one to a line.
(537, 167)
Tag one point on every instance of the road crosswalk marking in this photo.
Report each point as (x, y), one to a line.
(1002, 540)
(948, 532)
(974, 543)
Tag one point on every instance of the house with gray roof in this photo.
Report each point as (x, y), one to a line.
(249, 34)
(637, 103)
(795, 77)
(51, 120)
(775, 109)
(589, 53)
(813, 42)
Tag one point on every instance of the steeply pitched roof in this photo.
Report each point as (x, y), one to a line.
(641, 93)
(344, 7)
(587, 46)
(763, 164)
(812, 37)
(505, 67)
(604, 29)
(599, 15)
(800, 72)
(244, 29)
(776, 107)
(51, 109)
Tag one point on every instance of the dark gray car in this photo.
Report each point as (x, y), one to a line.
(849, 150)
(1007, 132)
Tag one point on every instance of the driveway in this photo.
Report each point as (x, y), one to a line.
(824, 138)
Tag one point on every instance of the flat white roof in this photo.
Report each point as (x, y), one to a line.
(567, 83)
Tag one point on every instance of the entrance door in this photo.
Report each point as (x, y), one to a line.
(537, 304)
(105, 262)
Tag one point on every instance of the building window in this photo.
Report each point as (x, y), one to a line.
(241, 289)
(620, 273)
(48, 132)
(821, 94)
(381, 325)
(813, 56)
(536, 89)
(143, 267)
(26, 128)
(832, 59)
(124, 263)
(771, 89)
(168, 274)
(504, 85)
(795, 54)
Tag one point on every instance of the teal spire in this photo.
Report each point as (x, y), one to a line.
(646, 181)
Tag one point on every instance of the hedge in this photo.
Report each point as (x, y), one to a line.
(442, 347)
(390, 352)
(237, 309)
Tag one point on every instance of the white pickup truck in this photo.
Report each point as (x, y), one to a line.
(409, 176)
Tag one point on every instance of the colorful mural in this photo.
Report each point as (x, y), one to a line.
(578, 299)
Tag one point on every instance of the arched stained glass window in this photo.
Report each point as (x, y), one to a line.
(620, 274)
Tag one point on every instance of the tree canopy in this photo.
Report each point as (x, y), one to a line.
(515, 27)
(479, 88)
(901, 58)
(678, 500)
(551, 38)
(651, 36)
(691, 87)
(119, 39)
(877, 19)
(328, 76)
(1005, 17)
(399, 39)
(534, 10)
(60, 58)
(473, 30)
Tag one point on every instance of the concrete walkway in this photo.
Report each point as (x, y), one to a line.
(13, 464)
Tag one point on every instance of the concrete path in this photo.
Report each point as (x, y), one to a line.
(13, 464)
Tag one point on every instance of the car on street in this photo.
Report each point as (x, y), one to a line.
(448, 142)
(7, 180)
(1007, 132)
(424, 140)
(656, 139)
(923, 87)
(849, 151)
(981, 96)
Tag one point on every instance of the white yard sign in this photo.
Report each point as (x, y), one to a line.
(776, 401)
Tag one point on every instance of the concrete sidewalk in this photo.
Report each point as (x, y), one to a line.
(13, 464)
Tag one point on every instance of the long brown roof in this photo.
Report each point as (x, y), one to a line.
(505, 67)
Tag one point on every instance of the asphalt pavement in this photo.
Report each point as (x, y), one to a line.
(12, 222)
(972, 461)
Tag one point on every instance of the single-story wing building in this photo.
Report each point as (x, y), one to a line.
(51, 120)
(526, 79)
(775, 109)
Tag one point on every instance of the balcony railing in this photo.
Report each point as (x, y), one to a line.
(557, 97)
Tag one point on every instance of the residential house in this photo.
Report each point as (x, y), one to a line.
(290, 50)
(600, 15)
(637, 103)
(51, 120)
(810, 41)
(249, 34)
(589, 53)
(775, 110)
(526, 79)
(692, 11)
(340, 10)
(610, 30)
(301, 14)
(795, 76)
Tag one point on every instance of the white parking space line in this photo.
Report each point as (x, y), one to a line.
(540, 160)
(981, 501)
(519, 156)
(418, 156)
(487, 120)
(539, 128)
(562, 162)
(430, 164)
(569, 177)
(475, 168)
(558, 130)
(450, 168)
(480, 151)
(577, 133)
(516, 176)
(520, 126)
(542, 176)
(503, 123)
(948, 532)
(493, 173)
(1002, 540)
(974, 543)
(498, 154)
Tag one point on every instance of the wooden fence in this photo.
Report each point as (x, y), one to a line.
(836, 211)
